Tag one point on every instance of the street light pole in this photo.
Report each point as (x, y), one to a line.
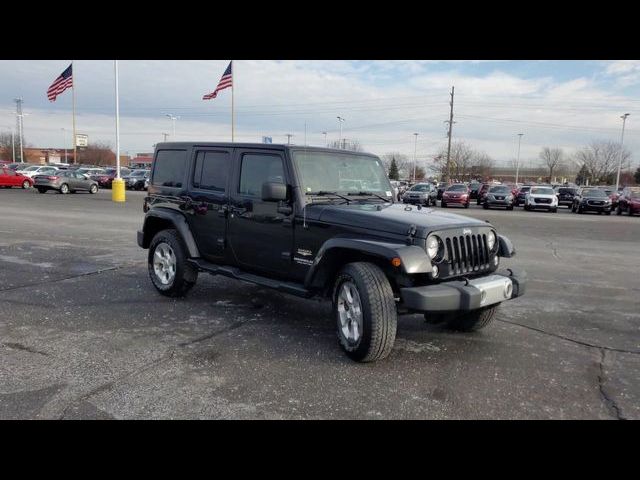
(624, 120)
(415, 160)
(518, 160)
(325, 138)
(340, 120)
(173, 123)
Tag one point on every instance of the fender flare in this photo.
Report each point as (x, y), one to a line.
(506, 248)
(179, 221)
(414, 258)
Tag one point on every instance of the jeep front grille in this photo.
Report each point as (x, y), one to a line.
(467, 253)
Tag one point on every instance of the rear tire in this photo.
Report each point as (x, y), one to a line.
(485, 206)
(473, 320)
(169, 270)
(366, 324)
(443, 204)
(510, 208)
(42, 190)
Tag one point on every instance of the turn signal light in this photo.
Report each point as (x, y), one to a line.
(396, 262)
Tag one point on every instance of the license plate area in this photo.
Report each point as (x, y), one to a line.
(493, 289)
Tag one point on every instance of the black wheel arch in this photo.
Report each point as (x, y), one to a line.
(337, 252)
(159, 219)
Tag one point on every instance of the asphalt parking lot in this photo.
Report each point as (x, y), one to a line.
(83, 334)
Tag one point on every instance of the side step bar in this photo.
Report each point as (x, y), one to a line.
(233, 272)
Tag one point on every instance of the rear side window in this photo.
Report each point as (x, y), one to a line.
(258, 168)
(170, 166)
(211, 170)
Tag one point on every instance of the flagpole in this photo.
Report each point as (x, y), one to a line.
(233, 114)
(73, 91)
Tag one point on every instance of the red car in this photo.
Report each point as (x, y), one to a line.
(9, 178)
(105, 179)
(456, 194)
(629, 201)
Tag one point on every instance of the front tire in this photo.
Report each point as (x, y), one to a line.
(93, 189)
(365, 311)
(168, 268)
(443, 204)
(473, 320)
(485, 206)
(64, 189)
(25, 184)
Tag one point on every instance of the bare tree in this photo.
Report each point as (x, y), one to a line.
(465, 162)
(405, 167)
(6, 149)
(600, 158)
(552, 158)
(346, 144)
(98, 154)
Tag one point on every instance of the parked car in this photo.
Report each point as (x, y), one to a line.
(499, 196)
(10, 178)
(135, 180)
(565, 196)
(21, 166)
(211, 206)
(482, 191)
(629, 201)
(105, 179)
(90, 171)
(522, 193)
(65, 181)
(38, 170)
(442, 186)
(541, 197)
(421, 193)
(456, 194)
(591, 200)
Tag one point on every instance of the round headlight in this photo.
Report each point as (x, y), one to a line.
(491, 240)
(433, 245)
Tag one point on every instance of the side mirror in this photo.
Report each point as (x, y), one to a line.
(274, 192)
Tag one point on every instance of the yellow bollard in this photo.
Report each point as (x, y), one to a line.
(117, 190)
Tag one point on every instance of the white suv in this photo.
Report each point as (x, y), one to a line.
(541, 198)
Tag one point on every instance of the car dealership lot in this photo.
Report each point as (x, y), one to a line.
(83, 334)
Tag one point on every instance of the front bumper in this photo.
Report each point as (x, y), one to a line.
(499, 203)
(457, 201)
(458, 295)
(595, 208)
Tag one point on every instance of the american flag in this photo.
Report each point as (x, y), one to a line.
(225, 82)
(60, 84)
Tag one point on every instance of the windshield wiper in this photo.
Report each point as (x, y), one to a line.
(324, 193)
(369, 194)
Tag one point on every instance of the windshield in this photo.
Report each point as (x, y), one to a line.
(567, 190)
(499, 190)
(457, 188)
(595, 193)
(423, 187)
(634, 194)
(138, 173)
(31, 169)
(543, 191)
(342, 173)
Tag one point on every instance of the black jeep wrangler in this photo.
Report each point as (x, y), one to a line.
(316, 221)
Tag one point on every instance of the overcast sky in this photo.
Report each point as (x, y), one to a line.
(554, 103)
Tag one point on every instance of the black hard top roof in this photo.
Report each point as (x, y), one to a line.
(261, 146)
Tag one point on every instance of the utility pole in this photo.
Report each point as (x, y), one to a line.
(415, 160)
(450, 122)
(289, 135)
(518, 160)
(165, 135)
(325, 138)
(19, 125)
(624, 119)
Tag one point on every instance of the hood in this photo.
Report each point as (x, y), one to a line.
(392, 218)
